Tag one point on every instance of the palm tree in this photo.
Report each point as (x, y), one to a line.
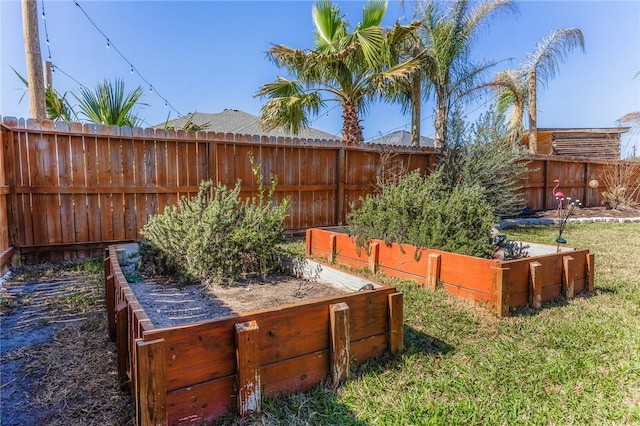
(57, 106)
(512, 93)
(447, 36)
(542, 65)
(108, 104)
(346, 67)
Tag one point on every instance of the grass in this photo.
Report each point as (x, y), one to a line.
(573, 362)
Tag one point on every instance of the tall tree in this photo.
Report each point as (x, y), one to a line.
(447, 36)
(343, 66)
(541, 65)
(109, 104)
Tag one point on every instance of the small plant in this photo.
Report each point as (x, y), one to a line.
(216, 237)
(563, 213)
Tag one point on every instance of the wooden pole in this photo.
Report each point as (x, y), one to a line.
(33, 58)
(374, 257)
(122, 340)
(433, 270)
(568, 276)
(590, 272)
(340, 342)
(48, 75)
(248, 367)
(535, 285)
(111, 306)
(396, 320)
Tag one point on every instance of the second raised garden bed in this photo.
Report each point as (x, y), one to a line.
(193, 373)
(500, 285)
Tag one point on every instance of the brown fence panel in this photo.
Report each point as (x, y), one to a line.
(6, 251)
(76, 188)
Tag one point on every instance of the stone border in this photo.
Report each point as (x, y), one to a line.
(509, 223)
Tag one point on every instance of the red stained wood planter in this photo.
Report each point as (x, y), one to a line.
(193, 373)
(499, 285)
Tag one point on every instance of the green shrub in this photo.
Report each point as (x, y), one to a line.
(425, 212)
(481, 155)
(215, 236)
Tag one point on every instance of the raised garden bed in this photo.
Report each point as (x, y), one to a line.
(193, 373)
(500, 285)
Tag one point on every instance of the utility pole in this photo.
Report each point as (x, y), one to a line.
(33, 58)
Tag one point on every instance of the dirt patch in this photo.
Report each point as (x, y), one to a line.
(168, 304)
(57, 365)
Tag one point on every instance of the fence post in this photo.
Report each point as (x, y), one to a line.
(500, 291)
(340, 342)
(590, 273)
(374, 257)
(152, 383)
(248, 367)
(433, 271)
(331, 257)
(535, 285)
(396, 320)
(568, 276)
(111, 308)
(307, 240)
(122, 339)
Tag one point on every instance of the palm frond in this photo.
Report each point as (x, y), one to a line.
(551, 51)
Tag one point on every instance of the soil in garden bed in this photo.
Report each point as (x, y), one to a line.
(167, 304)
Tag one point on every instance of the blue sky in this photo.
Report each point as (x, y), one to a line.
(210, 55)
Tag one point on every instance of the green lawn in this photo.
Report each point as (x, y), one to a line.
(573, 362)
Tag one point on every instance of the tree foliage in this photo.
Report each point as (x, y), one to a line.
(348, 67)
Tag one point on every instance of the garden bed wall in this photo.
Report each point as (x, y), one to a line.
(500, 285)
(194, 373)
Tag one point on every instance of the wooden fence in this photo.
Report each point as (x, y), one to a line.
(68, 191)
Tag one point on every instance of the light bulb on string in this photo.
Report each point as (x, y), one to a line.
(108, 44)
(48, 42)
(131, 70)
(150, 89)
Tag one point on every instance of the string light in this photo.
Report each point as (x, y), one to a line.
(132, 69)
(46, 31)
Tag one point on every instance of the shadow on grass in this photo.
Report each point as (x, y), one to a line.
(416, 341)
(319, 405)
(559, 302)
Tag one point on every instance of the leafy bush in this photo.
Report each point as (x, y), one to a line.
(425, 212)
(481, 155)
(214, 236)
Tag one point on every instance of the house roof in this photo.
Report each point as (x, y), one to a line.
(618, 130)
(401, 138)
(240, 122)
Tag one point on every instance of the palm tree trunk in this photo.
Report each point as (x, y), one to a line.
(533, 114)
(416, 104)
(441, 121)
(351, 128)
